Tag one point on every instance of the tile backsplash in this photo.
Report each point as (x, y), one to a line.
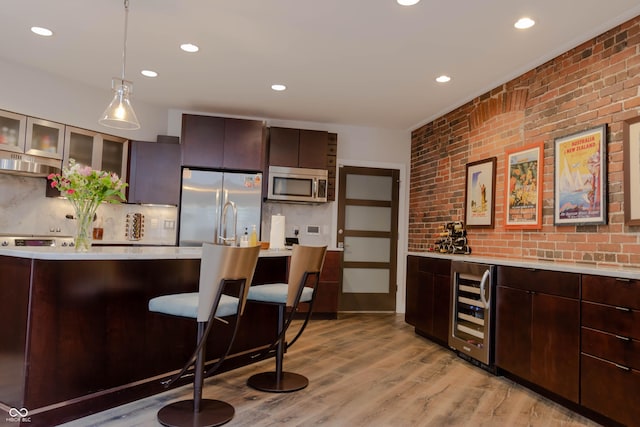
(25, 210)
(306, 218)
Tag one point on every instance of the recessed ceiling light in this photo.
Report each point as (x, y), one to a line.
(42, 31)
(443, 79)
(188, 47)
(278, 87)
(149, 73)
(407, 2)
(524, 23)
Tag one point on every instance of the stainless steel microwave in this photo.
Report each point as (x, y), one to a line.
(297, 184)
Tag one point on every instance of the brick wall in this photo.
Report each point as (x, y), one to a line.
(596, 83)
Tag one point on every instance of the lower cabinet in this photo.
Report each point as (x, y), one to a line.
(326, 303)
(428, 297)
(610, 376)
(538, 328)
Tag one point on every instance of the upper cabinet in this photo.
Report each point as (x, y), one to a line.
(154, 173)
(12, 131)
(217, 142)
(44, 138)
(37, 137)
(100, 151)
(298, 148)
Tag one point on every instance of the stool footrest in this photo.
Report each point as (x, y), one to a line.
(181, 414)
(269, 381)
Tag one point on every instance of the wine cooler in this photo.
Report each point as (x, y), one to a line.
(471, 327)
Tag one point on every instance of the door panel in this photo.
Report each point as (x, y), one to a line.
(368, 233)
(371, 249)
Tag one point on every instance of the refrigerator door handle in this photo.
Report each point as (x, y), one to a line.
(485, 277)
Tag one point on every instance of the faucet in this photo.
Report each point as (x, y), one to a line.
(223, 239)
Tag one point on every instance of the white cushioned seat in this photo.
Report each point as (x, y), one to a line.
(276, 293)
(186, 305)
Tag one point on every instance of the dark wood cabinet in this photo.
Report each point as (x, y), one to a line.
(610, 375)
(217, 142)
(537, 328)
(428, 297)
(326, 303)
(154, 173)
(298, 148)
(244, 144)
(283, 147)
(202, 141)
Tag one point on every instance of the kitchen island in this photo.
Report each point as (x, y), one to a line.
(77, 336)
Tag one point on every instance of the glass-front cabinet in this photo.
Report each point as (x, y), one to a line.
(44, 138)
(104, 152)
(12, 131)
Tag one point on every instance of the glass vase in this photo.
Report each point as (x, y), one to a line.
(84, 228)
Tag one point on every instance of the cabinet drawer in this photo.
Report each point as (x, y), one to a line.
(435, 266)
(610, 390)
(617, 349)
(611, 290)
(544, 281)
(624, 322)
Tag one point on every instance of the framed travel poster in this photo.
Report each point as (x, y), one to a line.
(523, 189)
(632, 171)
(580, 193)
(479, 193)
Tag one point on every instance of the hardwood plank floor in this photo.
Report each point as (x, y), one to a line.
(364, 370)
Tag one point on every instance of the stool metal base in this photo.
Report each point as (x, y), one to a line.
(181, 414)
(268, 381)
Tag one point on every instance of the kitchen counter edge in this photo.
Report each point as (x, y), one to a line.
(623, 273)
(119, 253)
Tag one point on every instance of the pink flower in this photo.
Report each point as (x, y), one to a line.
(85, 171)
(71, 191)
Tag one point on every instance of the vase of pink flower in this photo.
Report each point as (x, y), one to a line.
(86, 188)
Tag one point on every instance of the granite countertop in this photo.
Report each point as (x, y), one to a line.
(620, 272)
(118, 253)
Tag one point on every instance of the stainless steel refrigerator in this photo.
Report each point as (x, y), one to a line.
(203, 197)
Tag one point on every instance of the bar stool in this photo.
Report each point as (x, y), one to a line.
(302, 282)
(220, 267)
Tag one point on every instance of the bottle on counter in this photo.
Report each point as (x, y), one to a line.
(244, 240)
(253, 238)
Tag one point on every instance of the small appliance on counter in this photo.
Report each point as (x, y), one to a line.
(471, 327)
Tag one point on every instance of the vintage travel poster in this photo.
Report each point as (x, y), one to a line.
(480, 187)
(580, 178)
(524, 187)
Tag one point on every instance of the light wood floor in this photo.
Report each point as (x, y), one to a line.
(365, 370)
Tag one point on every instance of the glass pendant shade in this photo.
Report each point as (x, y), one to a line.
(119, 114)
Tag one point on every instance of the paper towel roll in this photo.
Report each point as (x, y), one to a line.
(276, 240)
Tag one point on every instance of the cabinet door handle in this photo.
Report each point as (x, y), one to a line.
(624, 368)
(623, 309)
(623, 338)
(622, 279)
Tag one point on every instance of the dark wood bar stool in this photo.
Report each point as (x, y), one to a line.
(220, 267)
(302, 282)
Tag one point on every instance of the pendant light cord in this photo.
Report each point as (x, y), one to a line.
(124, 46)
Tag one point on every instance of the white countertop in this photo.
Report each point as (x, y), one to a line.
(118, 252)
(623, 273)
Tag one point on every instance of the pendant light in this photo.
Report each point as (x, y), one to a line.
(119, 114)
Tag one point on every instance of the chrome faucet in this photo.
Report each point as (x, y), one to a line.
(223, 239)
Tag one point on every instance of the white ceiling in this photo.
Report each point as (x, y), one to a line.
(357, 62)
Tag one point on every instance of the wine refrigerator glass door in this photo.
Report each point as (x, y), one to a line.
(471, 324)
